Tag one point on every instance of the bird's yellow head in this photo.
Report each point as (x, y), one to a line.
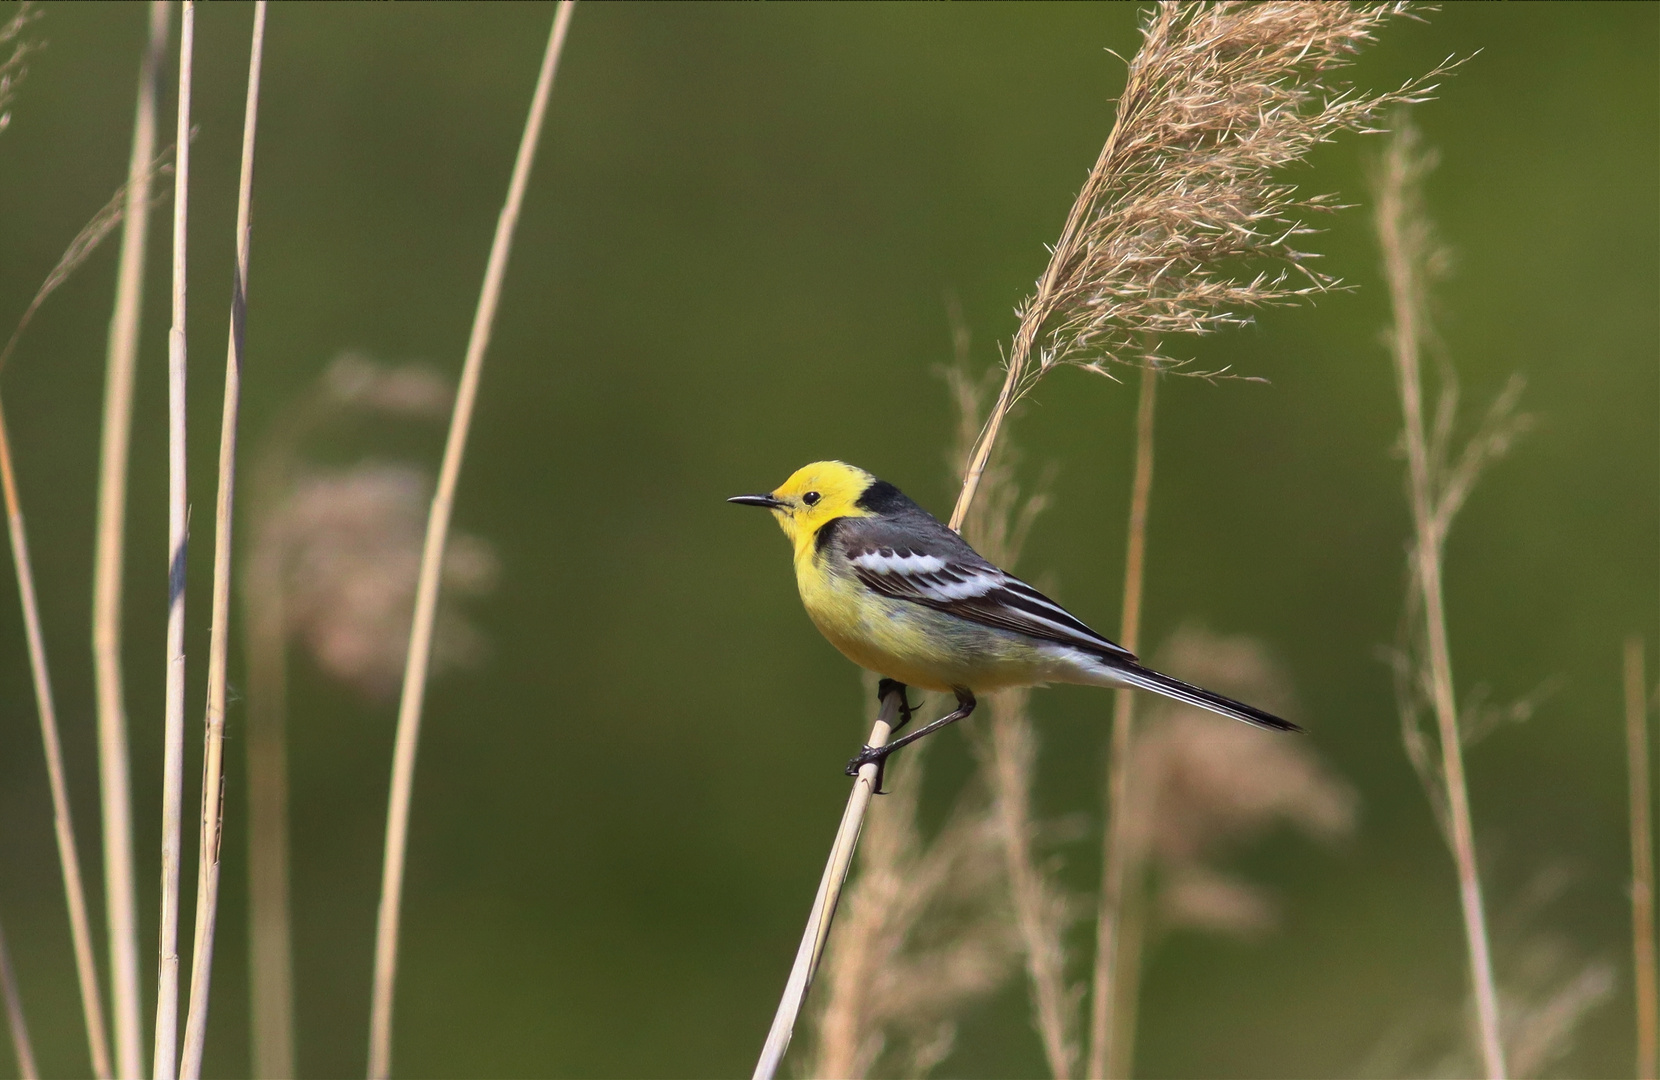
(813, 495)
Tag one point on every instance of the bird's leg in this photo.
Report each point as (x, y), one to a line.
(889, 686)
(879, 754)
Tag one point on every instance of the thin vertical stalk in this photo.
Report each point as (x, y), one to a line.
(432, 561)
(178, 524)
(114, 769)
(1117, 858)
(1642, 860)
(213, 749)
(1406, 336)
(811, 949)
(21, 1046)
(80, 927)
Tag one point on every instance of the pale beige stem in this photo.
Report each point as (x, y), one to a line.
(21, 1046)
(172, 793)
(114, 769)
(824, 901)
(1407, 335)
(80, 927)
(1642, 860)
(432, 561)
(1116, 865)
(213, 747)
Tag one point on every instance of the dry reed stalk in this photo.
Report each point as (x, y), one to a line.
(1436, 489)
(432, 561)
(63, 827)
(21, 1046)
(178, 524)
(823, 911)
(213, 748)
(114, 768)
(1104, 1026)
(924, 931)
(1642, 860)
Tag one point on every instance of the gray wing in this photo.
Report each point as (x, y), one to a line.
(934, 567)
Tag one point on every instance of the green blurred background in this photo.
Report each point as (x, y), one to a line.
(733, 260)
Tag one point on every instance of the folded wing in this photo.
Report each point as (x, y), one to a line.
(963, 584)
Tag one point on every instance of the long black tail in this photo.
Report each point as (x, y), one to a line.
(1147, 679)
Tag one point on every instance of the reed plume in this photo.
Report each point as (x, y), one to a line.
(1184, 224)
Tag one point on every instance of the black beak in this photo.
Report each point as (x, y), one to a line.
(771, 502)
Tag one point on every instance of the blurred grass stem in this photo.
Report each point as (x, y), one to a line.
(1642, 859)
(213, 750)
(1402, 235)
(432, 562)
(21, 1046)
(178, 525)
(1110, 988)
(63, 827)
(114, 767)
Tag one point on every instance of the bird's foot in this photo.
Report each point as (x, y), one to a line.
(888, 686)
(877, 755)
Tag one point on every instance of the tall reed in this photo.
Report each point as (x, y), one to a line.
(213, 746)
(1437, 485)
(22, 1048)
(1642, 860)
(432, 561)
(114, 768)
(1107, 1030)
(1179, 226)
(165, 1066)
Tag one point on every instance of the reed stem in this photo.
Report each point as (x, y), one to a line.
(109, 558)
(432, 561)
(1642, 860)
(63, 826)
(21, 1046)
(1116, 866)
(178, 527)
(811, 949)
(1429, 533)
(213, 750)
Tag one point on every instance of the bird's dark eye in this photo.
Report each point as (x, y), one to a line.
(811, 498)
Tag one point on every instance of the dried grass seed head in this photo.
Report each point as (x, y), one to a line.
(1203, 786)
(1184, 224)
(349, 542)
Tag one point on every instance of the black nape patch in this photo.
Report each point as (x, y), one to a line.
(882, 497)
(826, 533)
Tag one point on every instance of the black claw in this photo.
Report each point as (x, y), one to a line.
(888, 686)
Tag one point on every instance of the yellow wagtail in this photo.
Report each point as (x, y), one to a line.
(899, 593)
